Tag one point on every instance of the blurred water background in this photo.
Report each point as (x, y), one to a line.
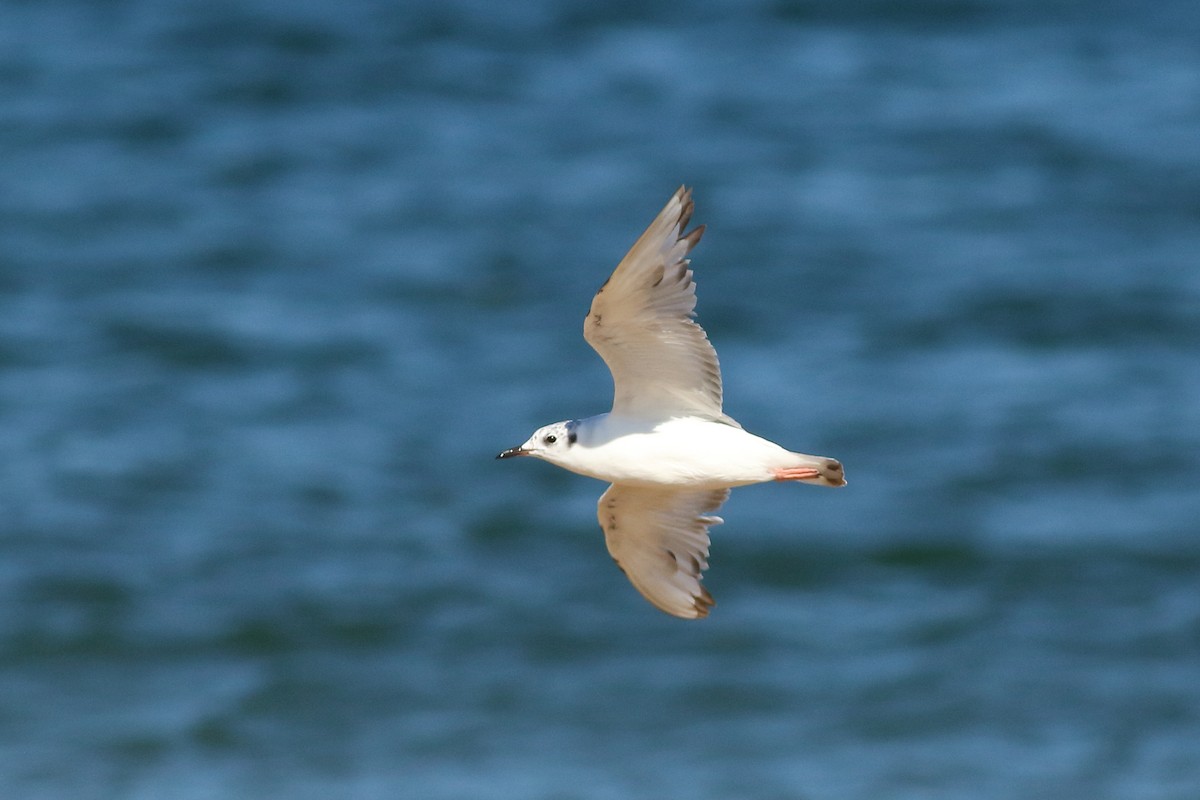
(277, 281)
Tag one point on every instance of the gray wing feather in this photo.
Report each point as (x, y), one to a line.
(659, 539)
(641, 323)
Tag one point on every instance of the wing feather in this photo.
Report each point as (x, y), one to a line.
(641, 323)
(659, 539)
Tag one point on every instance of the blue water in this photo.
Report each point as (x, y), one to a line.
(277, 281)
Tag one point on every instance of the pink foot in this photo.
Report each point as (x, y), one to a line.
(796, 473)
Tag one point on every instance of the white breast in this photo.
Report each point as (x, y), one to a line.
(680, 452)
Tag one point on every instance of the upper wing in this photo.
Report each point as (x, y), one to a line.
(641, 325)
(659, 539)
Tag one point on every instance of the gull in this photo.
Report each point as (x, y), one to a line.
(667, 447)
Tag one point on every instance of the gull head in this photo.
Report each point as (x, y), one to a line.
(550, 443)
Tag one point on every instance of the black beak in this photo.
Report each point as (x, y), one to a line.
(516, 451)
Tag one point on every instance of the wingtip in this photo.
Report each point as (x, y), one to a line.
(685, 213)
(683, 195)
(687, 206)
(699, 609)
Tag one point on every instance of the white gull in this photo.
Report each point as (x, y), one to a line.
(669, 451)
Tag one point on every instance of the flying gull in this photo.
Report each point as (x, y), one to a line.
(669, 451)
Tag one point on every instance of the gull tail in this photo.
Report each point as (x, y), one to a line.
(815, 470)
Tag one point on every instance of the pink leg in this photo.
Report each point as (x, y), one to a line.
(796, 473)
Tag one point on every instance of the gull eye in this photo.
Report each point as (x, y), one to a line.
(550, 439)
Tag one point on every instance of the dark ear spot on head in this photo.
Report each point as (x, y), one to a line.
(571, 437)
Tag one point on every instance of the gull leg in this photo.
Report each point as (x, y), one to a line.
(796, 473)
(819, 471)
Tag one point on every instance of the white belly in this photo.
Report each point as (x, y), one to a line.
(680, 452)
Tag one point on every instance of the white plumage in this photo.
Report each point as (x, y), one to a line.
(667, 447)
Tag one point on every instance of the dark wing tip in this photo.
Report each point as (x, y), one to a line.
(685, 213)
(684, 194)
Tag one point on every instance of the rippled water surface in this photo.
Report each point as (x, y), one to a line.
(277, 281)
